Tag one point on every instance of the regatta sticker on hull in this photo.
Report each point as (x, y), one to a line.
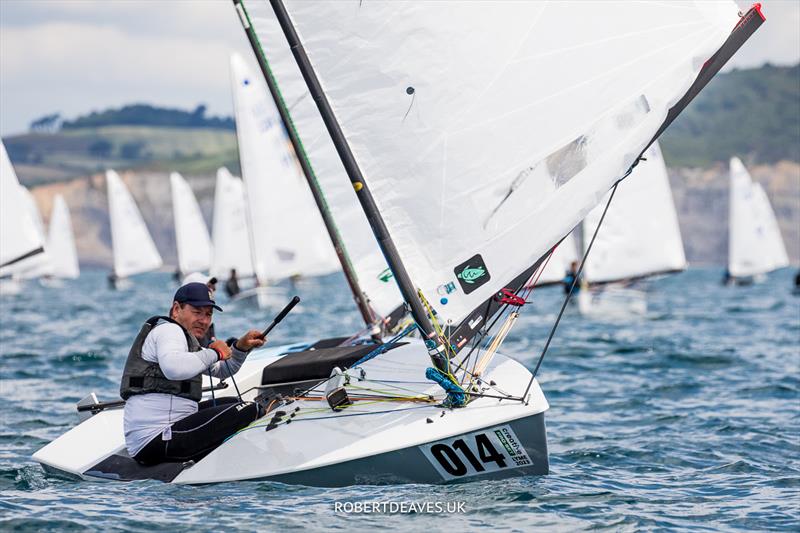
(477, 453)
(472, 273)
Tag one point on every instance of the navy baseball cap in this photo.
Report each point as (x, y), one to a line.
(196, 294)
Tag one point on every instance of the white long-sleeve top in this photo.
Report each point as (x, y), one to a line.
(149, 415)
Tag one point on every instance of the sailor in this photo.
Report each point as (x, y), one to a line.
(569, 278)
(232, 285)
(211, 283)
(164, 419)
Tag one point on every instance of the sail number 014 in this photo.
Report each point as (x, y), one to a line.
(477, 453)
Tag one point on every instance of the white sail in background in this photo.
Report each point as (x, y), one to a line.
(559, 263)
(457, 129)
(372, 271)
(230, 233)
(640, 235)
(755, 245)
(18, 234)
(288, 236)
(61, 242)
(42, 264)
(191, 233)
(133, 247)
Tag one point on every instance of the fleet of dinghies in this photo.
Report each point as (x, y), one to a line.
(755, 245)
(475, 139)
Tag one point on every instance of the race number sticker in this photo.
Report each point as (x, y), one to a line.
(476, 453)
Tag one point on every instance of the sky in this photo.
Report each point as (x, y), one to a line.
(76, 56)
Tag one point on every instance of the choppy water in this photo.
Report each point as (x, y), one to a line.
(687, 417)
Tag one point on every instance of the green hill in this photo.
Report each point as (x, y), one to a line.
(753, 114)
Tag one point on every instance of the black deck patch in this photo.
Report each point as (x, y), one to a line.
(472, 273)
(122, 468)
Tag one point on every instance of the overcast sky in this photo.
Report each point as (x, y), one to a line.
(75, 56)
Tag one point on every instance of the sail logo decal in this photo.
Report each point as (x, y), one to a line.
(477, 453)
(472, 273)
(386, 275)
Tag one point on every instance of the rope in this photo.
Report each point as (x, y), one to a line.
(572, 287)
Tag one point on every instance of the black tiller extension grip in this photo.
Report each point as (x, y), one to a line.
(281, 315)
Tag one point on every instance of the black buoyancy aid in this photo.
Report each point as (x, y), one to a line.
(143, 377)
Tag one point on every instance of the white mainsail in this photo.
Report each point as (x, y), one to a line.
(230, 233)
(133, 247)
(42, 264)
(191, 233)
(61, 242)
(372, 271)
(640, 235)
(21, 244)
(288, 237)
(449, 106)
(755, 245)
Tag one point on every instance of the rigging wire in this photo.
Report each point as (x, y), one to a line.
(572, 287)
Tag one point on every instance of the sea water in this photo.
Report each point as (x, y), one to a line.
(685, 417)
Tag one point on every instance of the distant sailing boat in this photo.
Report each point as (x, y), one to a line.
(287, 236)
(755, 245)
(44, 264)
(61, 242)
(21, 244)
(191, 233)
(230, 233)
(640, 237)
(438, 111)
(133, 247)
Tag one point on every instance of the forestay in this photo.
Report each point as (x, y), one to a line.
(20, 243)
(288, 237)
(61, 242)
(191, 233)
(230, 233)
(755, 245)
(133, 247)
(640, 235)
(373, 273)
(448, 106)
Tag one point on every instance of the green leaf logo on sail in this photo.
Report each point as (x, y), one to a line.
(386, 275)
(470, 275)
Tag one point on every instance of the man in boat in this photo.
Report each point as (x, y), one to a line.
(569, 279)
(164, 419)
(232, 285)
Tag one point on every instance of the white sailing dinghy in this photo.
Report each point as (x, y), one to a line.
(363, 413)
(286, 232)
(640, 238)
(755, 245)
(61, 242)
(191, 233)
(21, 244)
(132, 246)
(44, 264)
(230, 234)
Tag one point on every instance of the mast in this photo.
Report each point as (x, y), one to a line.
(367, 314)
(360, 186)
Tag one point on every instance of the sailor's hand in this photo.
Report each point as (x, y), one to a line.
(251, 339)
(222, 349)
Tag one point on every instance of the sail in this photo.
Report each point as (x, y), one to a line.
(372, 271)
(755, 245)
(61, 242)
(458, 113)
(640, 235)
(20, 242)
(558, 264)
(191, 233)
(133, 247)
(41, 265)
(288, 237)
(230, 234)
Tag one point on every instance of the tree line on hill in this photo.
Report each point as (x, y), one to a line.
(137, 115)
